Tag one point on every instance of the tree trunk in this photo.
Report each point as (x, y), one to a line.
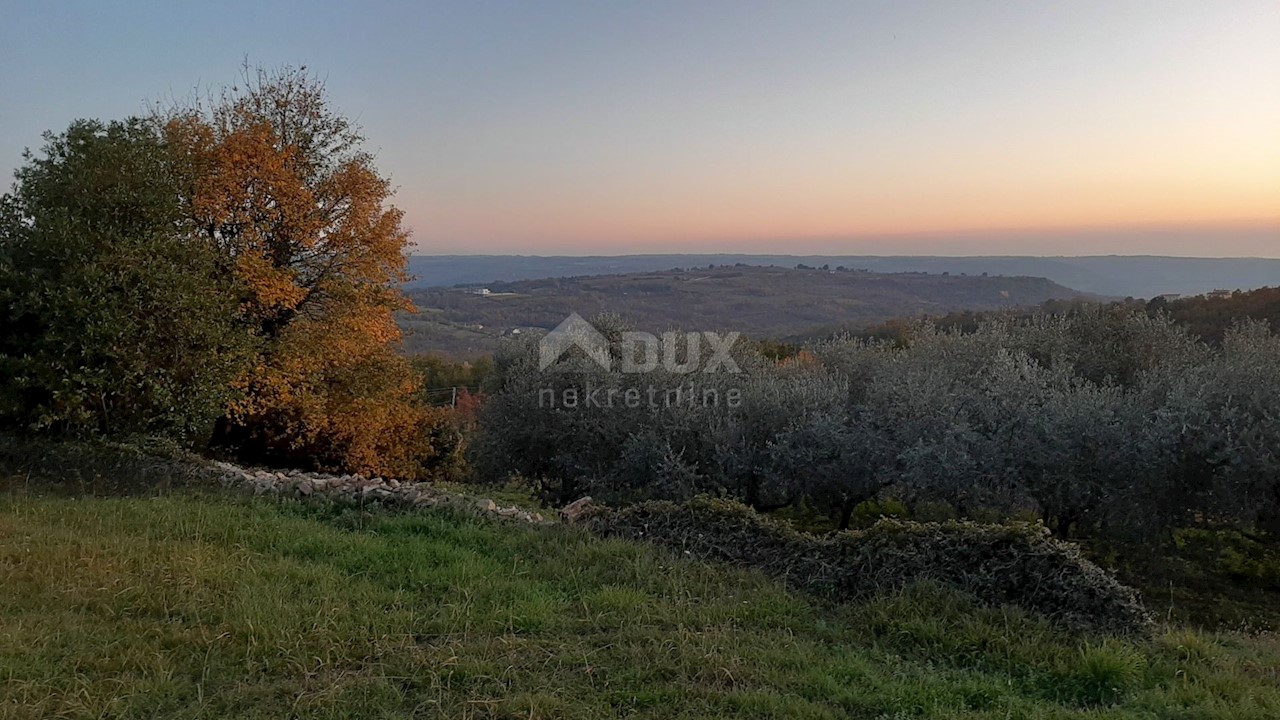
(1062, 525)
(846, 513)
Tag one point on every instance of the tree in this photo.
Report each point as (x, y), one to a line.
(1223, 430)
(835, 461)
(116, 322)
(1088, 457)
(279, 183)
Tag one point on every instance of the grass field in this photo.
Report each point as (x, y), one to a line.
(206, 606)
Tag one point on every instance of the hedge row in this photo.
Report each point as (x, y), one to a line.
(1017, 564)
(100, 467)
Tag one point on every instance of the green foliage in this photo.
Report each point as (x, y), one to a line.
(1103, 673)
(441, 376)
(777, 351)
(1233, 554)
(997, 564)
(868, 512)
(225, 274)
(115, 324)
(1206, 577)
(100, 467)
(1098, 421)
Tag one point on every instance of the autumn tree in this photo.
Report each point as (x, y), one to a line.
(279, 183)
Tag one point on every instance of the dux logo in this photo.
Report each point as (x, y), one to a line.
(573, 332)
(640, 352)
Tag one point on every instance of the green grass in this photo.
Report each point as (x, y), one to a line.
(1217, 578)
(189, 606)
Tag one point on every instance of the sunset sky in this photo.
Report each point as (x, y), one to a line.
(826, 127)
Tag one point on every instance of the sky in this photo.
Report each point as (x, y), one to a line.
(795, 126)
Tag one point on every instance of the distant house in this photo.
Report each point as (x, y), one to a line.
(479, 291)
(1168, 297)
(1218, 294)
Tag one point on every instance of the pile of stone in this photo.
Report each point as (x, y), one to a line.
(359, 491)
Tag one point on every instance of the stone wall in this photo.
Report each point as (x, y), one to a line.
(358, 491)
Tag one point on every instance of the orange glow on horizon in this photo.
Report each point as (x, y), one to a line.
(1187, 176)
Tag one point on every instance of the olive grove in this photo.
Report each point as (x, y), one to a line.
(1103, 420)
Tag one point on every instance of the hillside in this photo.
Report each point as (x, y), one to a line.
(205, 606)
(1112, 275)
(762, 302)
(1209, 317)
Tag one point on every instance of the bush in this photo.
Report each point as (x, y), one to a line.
(1017, 564)
(101, 467)
(1233, 555)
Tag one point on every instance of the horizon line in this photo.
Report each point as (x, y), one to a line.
(825, 255)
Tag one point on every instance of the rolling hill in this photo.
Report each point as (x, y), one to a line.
(762, 302)
(1112, 275)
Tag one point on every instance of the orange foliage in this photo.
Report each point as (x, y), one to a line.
(802, 359)
(338, 397)
(467, 407)
(278, 182)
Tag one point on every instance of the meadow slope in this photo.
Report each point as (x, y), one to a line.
(196, 606)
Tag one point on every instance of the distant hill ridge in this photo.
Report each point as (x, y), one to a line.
(1109, 275)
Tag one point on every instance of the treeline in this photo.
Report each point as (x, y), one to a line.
(1211, 317)
(1208, 317)
(220, 273)
(1104, 420)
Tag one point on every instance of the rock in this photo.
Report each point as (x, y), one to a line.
(574, 511)
(488, 505)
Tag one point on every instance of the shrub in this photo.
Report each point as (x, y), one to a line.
(1016, 564)
(100, 466)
